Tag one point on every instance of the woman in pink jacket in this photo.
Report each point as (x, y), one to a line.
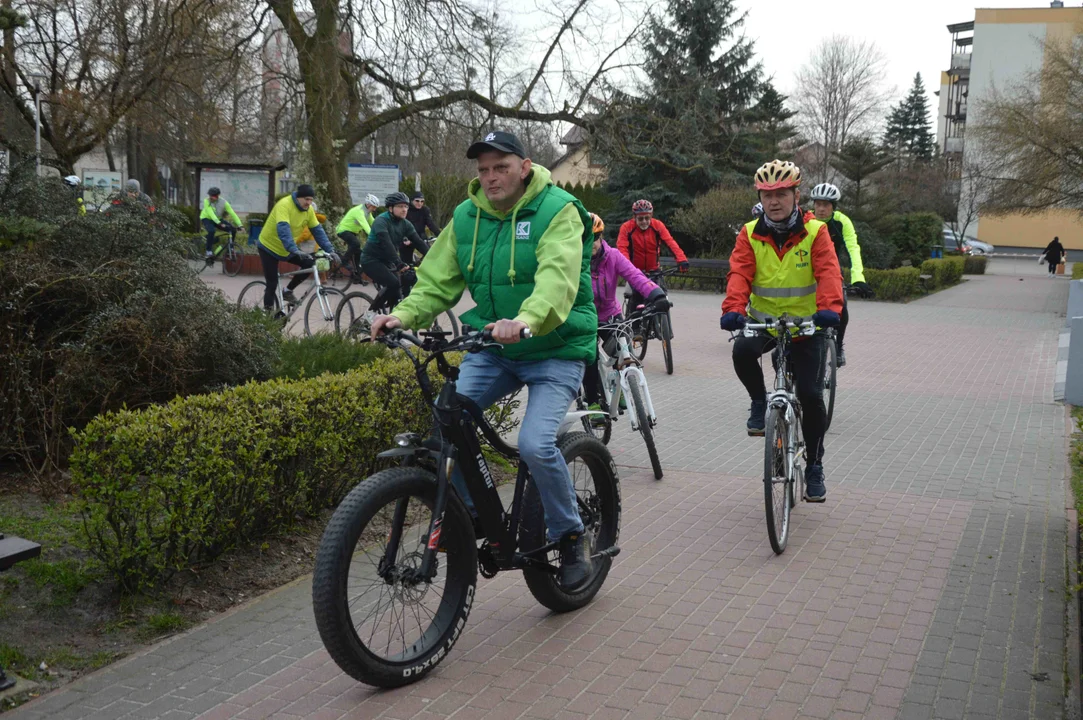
(607, 265)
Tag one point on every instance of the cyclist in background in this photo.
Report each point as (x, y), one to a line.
(215, 210)
(784, 263)
(824, 198)
(420, 216)
(757, 210)
(73, 182)
(607, 266)
(278, 239)
(640, 240)
(357, 220)
(380, 258)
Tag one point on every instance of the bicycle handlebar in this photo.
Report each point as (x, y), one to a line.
(804, 325)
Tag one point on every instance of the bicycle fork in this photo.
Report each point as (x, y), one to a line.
(641, 381)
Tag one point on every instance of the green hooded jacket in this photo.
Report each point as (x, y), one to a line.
(531, 264)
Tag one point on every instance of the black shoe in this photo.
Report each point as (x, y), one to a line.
(756, 422)
(840, 359)
(576, 568)
(815, 489)
(289, 297)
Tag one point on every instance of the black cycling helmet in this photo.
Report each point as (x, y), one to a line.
(214, 192)
(396, 198)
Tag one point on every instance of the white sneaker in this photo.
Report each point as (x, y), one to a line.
(209, 254)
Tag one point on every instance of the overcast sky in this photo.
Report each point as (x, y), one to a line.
(913, 34)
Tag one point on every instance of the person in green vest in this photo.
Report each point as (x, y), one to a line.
(522, 247)
(216, 210)
(357, 220)
(784, 263)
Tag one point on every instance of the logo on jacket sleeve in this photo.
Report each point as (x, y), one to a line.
(522, 230)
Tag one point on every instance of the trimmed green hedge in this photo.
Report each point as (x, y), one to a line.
(1077, 271)
(974, 264)
(177, 484)
(945, 271)
(898, 284)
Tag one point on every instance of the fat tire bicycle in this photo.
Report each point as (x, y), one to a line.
(411, 541)
(650, 325)
(783, 473)
(353, 316)
(319, 313)
(623, 375)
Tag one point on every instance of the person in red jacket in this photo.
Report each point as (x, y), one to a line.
(640, 240)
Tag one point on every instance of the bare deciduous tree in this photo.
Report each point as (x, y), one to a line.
(367, 64)
(1036, 127)
(841, 94)
(100, 60)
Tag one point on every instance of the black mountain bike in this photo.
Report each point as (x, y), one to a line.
(396, 570)
(658, 326)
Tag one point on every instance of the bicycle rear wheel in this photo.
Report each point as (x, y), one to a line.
(645, 429)
(777, 483)
(666, 334)
(251, 296)
(382, 623)
(597, 492)
(232, 260)
(339, 276)
(320, 310)
(831, 369)
(196, 255)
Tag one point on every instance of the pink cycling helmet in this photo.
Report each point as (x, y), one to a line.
(642, 207)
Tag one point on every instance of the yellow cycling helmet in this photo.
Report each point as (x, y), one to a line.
(599, 226)
(778, 174)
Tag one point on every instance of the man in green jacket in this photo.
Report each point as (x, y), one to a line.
(380, 256)
(215, 211)
(522, 246)
(824, 198)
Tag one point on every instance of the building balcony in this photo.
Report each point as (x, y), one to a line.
(960, 61)
(953, 145)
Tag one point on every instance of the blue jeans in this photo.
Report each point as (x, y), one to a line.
(552, 384)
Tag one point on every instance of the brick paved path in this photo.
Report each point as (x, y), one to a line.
(931, 584)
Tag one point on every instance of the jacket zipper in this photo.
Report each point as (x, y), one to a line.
(492, 265)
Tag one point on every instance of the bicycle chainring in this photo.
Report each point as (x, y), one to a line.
(487, 561)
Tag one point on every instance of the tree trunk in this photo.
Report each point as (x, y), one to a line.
(325, 98)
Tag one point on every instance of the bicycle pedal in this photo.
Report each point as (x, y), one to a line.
(611, 551)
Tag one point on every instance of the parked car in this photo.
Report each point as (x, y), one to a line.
(969, 245)
(974, 246)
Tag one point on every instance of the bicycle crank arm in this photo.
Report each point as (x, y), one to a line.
(522, 562)
(611, 551)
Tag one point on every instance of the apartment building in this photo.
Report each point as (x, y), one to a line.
(997, 50)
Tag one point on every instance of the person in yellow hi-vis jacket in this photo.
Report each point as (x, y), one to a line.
(841, 229)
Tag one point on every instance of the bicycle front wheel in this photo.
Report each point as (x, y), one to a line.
(320, 310)
(232, 260)
(446, 322)
(644, 420)
(777, 483)
(197, 256)
(351, 319)
(831, 369)
(666, 334)
(381, 622)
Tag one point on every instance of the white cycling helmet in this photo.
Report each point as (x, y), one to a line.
(757, 210)
(72, 180)
(372, 200)
(826, 191)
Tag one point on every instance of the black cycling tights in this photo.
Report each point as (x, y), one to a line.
(840, 334)
(388, 280)
(807, 361)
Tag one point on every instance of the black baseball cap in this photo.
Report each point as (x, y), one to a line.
(497, 140)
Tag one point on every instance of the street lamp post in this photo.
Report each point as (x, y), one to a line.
(37, 121)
